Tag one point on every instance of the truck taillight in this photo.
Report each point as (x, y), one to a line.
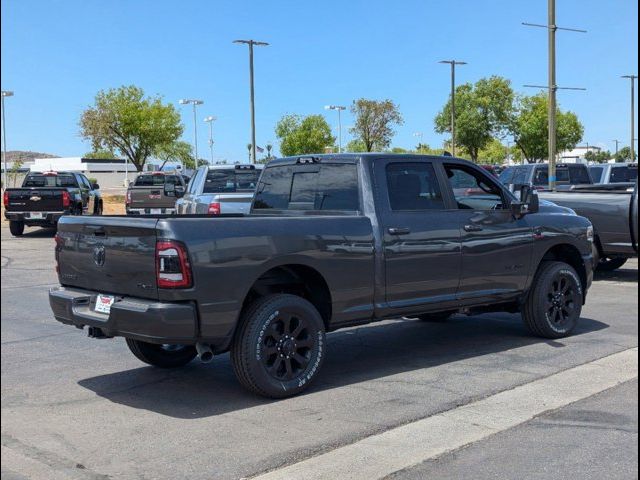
(214, 208)
(5, 199)
(173, 269)
(59, 244)
(66, 199)
(128, 198)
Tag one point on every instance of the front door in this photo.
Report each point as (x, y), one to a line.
(496, 247)
(421, 240)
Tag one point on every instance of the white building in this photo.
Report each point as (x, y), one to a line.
(577, 154)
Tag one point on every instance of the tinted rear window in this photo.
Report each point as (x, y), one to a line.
(541, 177)
(579, 174)
(231, 180)
(596, 173)
(50, 181)
(623, 174)
(156, 180)
(308, 187)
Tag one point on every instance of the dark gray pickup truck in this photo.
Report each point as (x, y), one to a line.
(332, 241)
(613, 211)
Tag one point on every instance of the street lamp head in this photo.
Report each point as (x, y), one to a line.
(210, 118)
(252, 42)
(452, 62)
(7, 93)
(187, 101)
(334, 107)
(632, 77)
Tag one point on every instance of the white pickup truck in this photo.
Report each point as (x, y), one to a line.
(220, 189)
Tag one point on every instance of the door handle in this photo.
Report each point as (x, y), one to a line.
(399, 230)
(472, 228)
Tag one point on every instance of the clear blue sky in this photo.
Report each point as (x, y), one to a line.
(56, 54)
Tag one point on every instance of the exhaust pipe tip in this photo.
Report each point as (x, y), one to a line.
(205, 354)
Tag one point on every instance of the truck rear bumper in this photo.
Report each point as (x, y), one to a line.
(34, 218)
(130, 317)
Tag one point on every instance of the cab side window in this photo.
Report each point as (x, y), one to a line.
(413, 186)
(474, 190)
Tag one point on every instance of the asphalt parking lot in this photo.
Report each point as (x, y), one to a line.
(74, 407)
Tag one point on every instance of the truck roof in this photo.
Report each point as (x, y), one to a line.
(354, 157)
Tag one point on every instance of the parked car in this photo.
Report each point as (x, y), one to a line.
(331, 241)
(537, 174)
(45, 197)
(154, 193)
(219, 189)
(613, 211)
(614, 173)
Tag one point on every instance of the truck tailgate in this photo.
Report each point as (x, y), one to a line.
(35, 199)
(150, 197)
(112, 255)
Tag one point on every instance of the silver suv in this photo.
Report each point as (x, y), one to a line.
(218, 189)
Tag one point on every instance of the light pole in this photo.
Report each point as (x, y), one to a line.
(419, 135)
(617, 142)
(251, 43)
(210, 119)
(195, 103)
(5, 93)
(339, 108)
(633, 115)
(453, 64)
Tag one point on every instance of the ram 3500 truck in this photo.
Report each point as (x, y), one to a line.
(331, 241)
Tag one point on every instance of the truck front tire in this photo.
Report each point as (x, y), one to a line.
(280, 346)
(16, 228)
(554, 303)
(163, 356)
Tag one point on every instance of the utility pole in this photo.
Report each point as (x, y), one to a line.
(195, 103)
(339, 108)
(453, 64)
(5, 93)
(633, 115)
(617, 142)
(419, 135)
(552, 86)
(251, 43)
(210, 119)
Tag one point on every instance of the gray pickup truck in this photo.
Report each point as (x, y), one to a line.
(220, 189)
(607, 173)
(331, 241)
(154, 193)
(613, 211)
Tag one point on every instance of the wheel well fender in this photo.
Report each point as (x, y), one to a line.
(571, 255)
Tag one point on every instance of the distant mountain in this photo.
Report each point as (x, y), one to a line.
(26, 156)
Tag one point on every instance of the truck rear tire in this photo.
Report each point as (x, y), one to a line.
(163, 356)
(611, 264)
(554, 303)
(279, 347)
(16, 228)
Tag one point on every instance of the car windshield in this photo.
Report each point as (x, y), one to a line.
(231, 180)
(44, 180)
(156, 180)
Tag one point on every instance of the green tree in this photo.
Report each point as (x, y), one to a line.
(374, 121)
(101, 154)
(624, 155)
(123, 120)
(355, 146)
(302, 135)
(483, 111)
(177, 151)
(14, 171)
(494, 152)
(599, 156)
(530, 128)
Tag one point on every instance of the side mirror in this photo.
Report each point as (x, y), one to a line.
(95, 186)
(529, 202)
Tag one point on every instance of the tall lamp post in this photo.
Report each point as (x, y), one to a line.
(617, 142)
(339, 109)
(251, 44)
(210, 119)
(195, 103)
(5, 93)
(419, 135)
(453, 64)
(633, 115)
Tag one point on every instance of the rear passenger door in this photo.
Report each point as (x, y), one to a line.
(496, 247)
(421, 240)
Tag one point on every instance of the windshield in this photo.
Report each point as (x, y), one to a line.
(156, 180)
(231, 180)
(40, 180)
